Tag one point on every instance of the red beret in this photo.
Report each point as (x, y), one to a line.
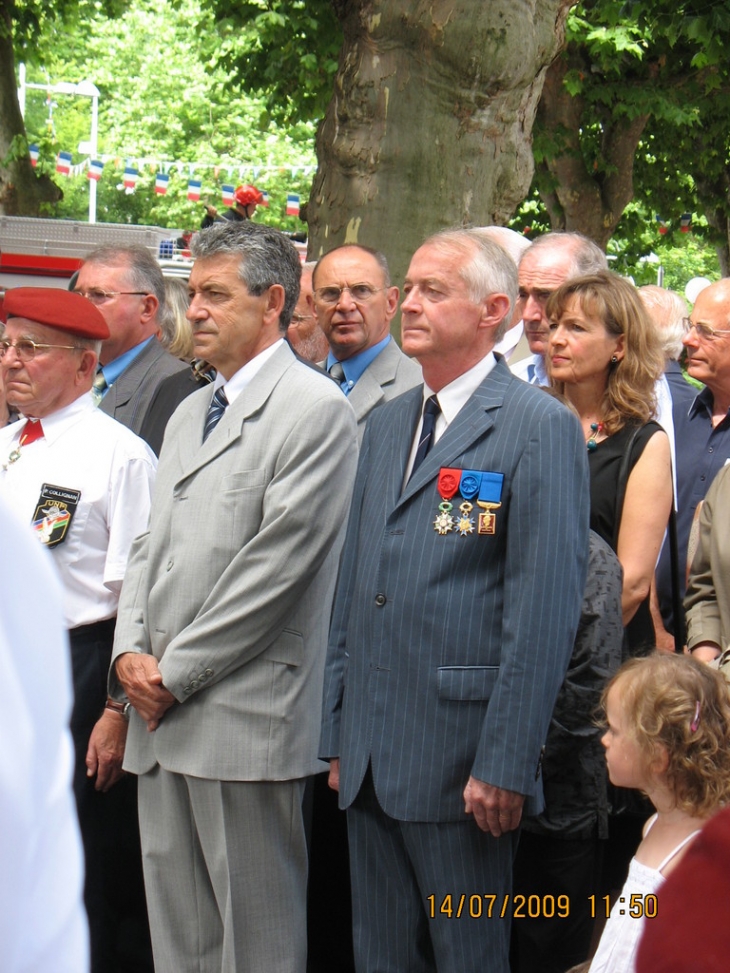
(58, 309)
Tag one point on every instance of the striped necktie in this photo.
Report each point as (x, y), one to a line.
(431, 411)
(99, 387)
(217, 407)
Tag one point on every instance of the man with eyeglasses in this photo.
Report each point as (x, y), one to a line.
(83, 483)
(304, 333)
(126, 285)
(355, 302)
(551, 260)
(702, 432)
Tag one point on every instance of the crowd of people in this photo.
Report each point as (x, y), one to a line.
(363, 638)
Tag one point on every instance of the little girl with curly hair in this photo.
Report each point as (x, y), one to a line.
(668, 734)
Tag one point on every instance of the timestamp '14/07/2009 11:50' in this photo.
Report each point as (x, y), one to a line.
(488, 906)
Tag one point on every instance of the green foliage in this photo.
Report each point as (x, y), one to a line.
(165, 104)
(291, 54)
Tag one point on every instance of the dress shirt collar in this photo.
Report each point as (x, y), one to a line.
(58, 422)
(511, 338)
(244, 376)
(114, 369)
(355, 366)
(454, 396)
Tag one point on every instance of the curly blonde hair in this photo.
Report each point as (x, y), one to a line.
(629, 395)
(661, 697)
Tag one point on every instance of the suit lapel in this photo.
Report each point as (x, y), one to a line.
(475, 419)
(128, 382)
(193, 454)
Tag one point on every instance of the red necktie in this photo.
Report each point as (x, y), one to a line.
(32, 431)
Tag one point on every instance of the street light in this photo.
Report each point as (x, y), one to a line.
(86, 89)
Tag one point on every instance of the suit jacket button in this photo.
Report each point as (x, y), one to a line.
(187, 690)
(208, 672)
(380, 600)
(195, 684)
(169, 564)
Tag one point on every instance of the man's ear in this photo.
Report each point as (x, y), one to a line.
(494, 309)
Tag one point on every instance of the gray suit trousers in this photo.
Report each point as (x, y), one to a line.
(225, 866)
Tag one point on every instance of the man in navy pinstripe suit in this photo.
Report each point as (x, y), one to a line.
(457, 606)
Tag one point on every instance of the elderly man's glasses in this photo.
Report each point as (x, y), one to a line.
(25, 349)
(97, 296)
(703, 330)
(360, 293)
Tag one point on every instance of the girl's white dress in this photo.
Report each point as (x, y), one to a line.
(616, 951)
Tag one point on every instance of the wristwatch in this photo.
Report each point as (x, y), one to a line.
(121, 708)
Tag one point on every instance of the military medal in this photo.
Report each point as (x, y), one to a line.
(448, 485)
(444, 521)
(490, 499)
(487, 523)
(465, 523)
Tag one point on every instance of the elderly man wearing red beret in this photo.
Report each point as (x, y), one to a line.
(83, 483)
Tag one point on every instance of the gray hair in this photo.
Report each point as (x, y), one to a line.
(667, 310)
(587, 256)
(144, 271)
(510, 240)
(486, 268)
(377, 255)
(267, 258)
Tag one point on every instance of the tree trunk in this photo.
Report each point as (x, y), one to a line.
(430, 121)
(580, 199)
(21, 192)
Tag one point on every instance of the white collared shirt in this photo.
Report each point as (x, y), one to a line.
(87, 451)
(245, 375)
(452, 398)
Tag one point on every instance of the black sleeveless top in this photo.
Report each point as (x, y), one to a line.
(604, 463)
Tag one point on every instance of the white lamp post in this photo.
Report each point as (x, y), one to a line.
(87, 90)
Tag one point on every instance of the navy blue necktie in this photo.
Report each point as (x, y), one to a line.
(431, 411)
(217, 407)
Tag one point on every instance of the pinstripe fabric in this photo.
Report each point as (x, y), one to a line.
(456, 671)
(446, 654)
(411, 873)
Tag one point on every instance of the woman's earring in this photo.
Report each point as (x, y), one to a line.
(614, 360)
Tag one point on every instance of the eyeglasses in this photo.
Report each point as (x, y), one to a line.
(360, 293)
(297, 319)
(97, 296)
(703, 330)
(25, 349)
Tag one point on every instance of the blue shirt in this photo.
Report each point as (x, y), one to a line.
(114, 369)
(355, 366)
(701, 453)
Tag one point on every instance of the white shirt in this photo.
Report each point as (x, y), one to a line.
(531, 370)
(42, 918)
(244, 376)
(511, 338)
(665, 418)
(452, 398)
(84, 450)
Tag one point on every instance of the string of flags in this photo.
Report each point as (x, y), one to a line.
(685, 224)
(132, 169)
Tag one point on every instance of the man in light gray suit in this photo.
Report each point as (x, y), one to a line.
(457, 607)
(222, 625)
(127, 286)
(355, 302)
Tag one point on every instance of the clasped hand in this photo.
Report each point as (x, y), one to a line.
(141, 680)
